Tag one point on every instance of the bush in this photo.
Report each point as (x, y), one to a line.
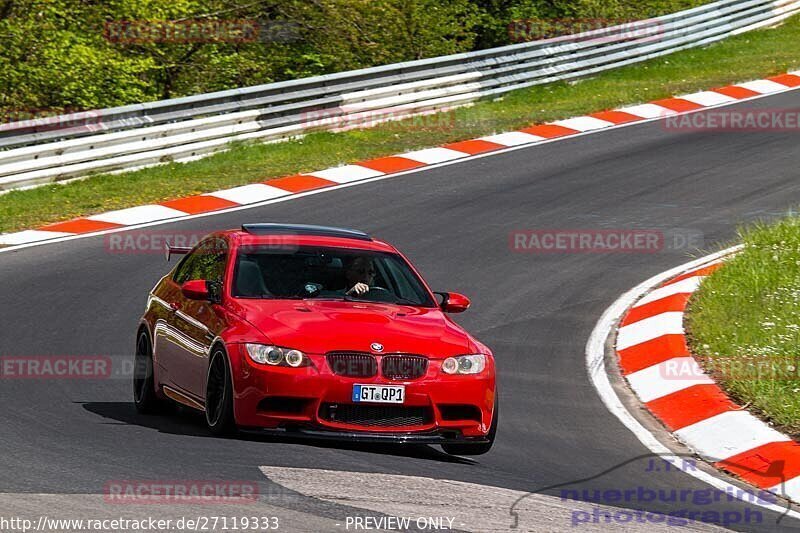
(56, 56)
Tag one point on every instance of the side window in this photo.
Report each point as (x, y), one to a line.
(207, 261)
(405, 286)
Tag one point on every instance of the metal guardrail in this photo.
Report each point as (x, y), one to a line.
(122, 138)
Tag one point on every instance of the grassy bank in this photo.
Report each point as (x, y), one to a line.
(744, 323)
(745, 57)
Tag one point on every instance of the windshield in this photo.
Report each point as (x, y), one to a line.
(268, 272)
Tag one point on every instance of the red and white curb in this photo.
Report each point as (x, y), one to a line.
(601, 356)
(655, 360)
(285, 187)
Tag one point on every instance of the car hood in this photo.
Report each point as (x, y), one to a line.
(320, 326)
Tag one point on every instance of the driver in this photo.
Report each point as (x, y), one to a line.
(360, 274)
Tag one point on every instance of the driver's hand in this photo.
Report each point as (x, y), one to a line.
(359, 289)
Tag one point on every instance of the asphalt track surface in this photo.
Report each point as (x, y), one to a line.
(535, 310)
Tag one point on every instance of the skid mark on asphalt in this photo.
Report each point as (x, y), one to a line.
(473, 507)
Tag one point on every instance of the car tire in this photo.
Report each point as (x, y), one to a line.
(478, 448)
(219, 395)
(144, 390)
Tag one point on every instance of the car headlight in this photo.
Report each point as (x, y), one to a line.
(464, 364)
(276, 356)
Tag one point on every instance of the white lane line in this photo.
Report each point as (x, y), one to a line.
(670, 323)
(651, 111)
(347, 173)
(762, 86)
(471, 507)
(248, 194)
(667, 377)
(30, 235)
(138, 215)
(583, 123)
(708, 98)
(685, 286)
(512, 138)
(430, 156)
(728, 434)
(595, 365)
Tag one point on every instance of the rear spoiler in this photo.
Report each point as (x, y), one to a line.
(175, 250)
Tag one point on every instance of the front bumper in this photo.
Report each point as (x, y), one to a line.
(297, 401)
(366, 437)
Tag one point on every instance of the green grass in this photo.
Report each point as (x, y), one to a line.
(744, 323)
(745, 57)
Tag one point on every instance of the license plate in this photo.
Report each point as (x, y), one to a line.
(379, 393)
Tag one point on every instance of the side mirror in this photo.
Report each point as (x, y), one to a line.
(453, 302)
(196, 289)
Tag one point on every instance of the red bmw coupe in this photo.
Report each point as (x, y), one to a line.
(314, 331)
